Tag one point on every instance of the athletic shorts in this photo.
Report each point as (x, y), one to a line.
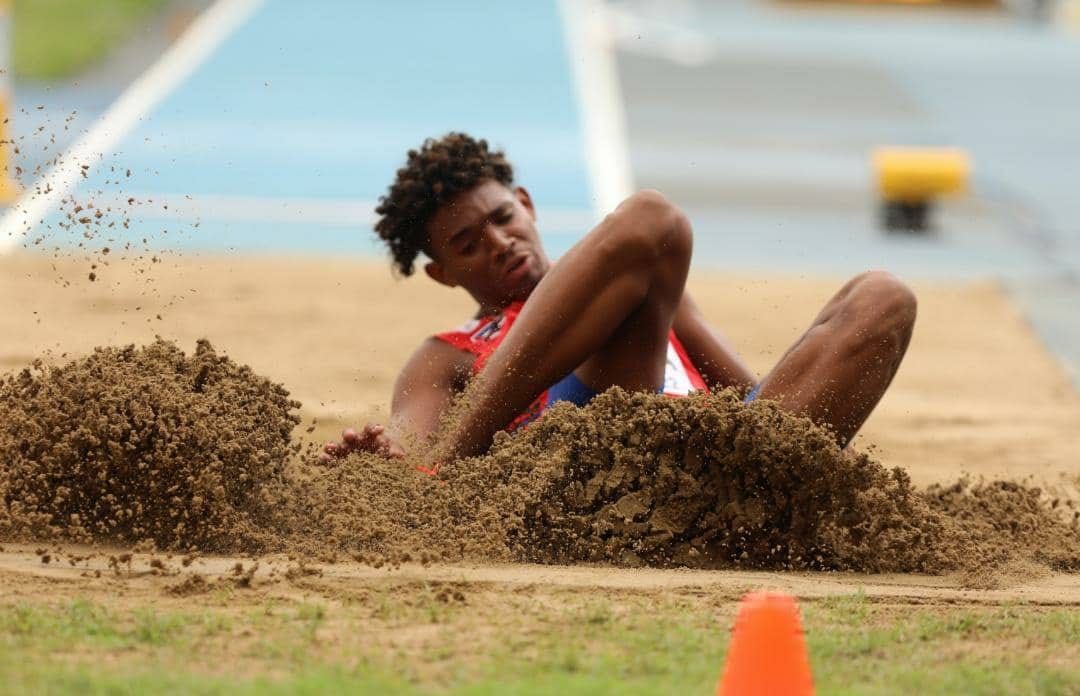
(571, 389)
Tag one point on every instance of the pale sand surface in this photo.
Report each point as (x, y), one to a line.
(977, 393)
(24, 576)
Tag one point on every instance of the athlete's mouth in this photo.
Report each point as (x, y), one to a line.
(514, 265)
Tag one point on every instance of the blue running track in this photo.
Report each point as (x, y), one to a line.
(286, 136)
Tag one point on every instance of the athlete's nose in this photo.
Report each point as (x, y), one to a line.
(501, 243)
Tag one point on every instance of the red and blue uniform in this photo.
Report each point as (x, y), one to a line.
(482, 336)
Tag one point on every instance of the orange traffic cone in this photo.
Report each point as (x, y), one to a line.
(768, 653)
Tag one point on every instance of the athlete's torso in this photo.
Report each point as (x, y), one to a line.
(482, 336)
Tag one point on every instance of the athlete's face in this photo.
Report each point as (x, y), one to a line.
(485, 240)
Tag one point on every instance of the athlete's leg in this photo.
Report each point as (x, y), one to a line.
(839, 370)
(603, 311)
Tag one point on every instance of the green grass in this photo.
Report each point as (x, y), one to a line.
(633, 645)
(55, 39)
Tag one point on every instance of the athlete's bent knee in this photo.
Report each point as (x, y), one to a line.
(886, 297)
(648, 222)
(878, 315)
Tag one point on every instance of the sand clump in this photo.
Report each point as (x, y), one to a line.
(143, 444)
(194, 453)
(1014, 530)
(706, 481)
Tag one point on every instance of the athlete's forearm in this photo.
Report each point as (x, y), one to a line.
(410, 433)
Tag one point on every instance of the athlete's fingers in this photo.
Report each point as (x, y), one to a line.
(372, 437)
(382, 443)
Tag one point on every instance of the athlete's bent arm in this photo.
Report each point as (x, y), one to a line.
(424, 389)
(712, 354)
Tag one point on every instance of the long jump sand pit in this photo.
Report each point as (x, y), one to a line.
(172, 474)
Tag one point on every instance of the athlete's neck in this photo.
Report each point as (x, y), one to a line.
(491, 309)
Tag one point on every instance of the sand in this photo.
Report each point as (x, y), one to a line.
(361, 337)
(151, 448)
(143, 445)
(977, 393)
(139, 445)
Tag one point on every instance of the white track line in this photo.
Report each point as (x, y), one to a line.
(181, 59)
(592, 59)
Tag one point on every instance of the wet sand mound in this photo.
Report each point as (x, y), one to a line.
(143, 444)
(194, 452)
(706, 481)
(1007, 523)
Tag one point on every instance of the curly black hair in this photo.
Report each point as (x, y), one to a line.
(432, 175)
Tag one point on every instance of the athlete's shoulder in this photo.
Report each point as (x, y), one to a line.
(478, 333)
(437, 362)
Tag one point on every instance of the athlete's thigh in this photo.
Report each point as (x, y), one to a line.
(632, 270)
(635, 355)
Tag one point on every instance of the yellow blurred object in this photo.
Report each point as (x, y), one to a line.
(920, 174)
(9, 188)
(1068, 14)
(973, 4)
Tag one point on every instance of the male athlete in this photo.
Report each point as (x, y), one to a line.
(612, 311)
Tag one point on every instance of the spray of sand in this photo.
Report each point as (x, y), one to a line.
(133, 444)
(194, 452)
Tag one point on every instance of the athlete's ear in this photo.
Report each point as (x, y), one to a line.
(438, 274)
(526, 200)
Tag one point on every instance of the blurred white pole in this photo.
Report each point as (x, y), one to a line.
(592, 62)
(9, 188)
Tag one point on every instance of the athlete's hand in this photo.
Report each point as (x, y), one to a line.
(372, 438)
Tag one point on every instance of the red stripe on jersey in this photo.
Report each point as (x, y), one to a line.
(691, 371)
